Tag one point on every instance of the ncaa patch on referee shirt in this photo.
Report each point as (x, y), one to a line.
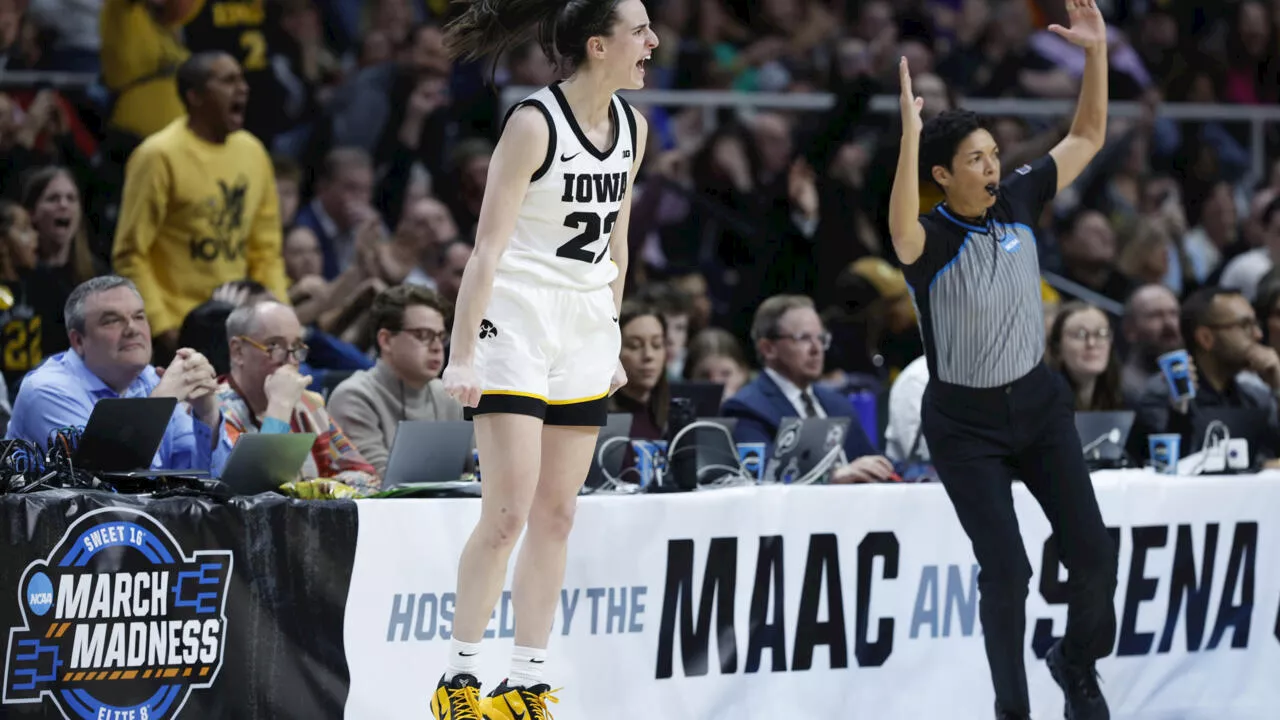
(1023, 170)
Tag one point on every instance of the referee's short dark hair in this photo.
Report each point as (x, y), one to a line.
(770, 312)
(388, 308)
(1196, 311)
(196, 72)
(941, 137)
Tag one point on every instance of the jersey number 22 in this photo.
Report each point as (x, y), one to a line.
(592, 228)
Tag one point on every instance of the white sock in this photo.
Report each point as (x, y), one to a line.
(526, 666)
(464, 659)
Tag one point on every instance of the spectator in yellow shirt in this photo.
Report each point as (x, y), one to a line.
(200, 206)
(141, 52)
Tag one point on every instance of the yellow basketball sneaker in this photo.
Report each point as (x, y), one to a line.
(508, 703)
(458, 699)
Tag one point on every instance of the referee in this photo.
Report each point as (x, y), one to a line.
(992, 411)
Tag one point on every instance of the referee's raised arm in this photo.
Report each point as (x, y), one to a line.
(904, 199)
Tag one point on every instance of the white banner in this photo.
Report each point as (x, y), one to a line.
(849, 601)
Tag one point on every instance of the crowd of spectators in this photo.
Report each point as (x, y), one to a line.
(326, 241)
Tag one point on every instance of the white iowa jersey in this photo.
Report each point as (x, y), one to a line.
(563, 230)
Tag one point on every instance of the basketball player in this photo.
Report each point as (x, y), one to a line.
(535, 347)
(992, 411)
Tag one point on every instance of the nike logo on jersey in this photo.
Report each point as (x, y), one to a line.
(567, 158)
(594, 187)
(468, 654)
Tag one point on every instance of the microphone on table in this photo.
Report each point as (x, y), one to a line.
(1112, 436)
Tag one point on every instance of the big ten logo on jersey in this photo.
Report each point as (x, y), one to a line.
(224, 216)
(584, 189)
(248, 14)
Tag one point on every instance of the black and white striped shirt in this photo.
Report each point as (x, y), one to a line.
(976, 288)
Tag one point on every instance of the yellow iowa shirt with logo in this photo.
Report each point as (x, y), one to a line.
(194, 216)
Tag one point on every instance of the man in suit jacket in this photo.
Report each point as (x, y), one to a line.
(792, 343)
(343, 202)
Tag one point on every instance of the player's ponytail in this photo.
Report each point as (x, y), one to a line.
(488, 28)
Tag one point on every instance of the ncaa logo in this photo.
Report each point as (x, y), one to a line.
(118, 621)
(39, 594)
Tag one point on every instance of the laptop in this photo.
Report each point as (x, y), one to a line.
(123, 435)
(1104, 436)
(801, 445)
(617, 425)
(429, 452)
(262, 462)
(705, 396)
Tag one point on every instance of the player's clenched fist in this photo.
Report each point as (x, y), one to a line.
(461, 383)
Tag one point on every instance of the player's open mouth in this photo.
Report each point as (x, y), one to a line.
(642, 62)
(62, 223)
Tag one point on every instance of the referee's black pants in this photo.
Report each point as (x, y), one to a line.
(980, 440)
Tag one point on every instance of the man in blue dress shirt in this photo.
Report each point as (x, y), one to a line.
(110, 357)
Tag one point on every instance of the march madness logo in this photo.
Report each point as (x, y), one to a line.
(118, 622)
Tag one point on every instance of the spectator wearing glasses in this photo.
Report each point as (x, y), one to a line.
(265, 393)
(1080, 347)
(1231, 369)
(792, 345)
(404, 384)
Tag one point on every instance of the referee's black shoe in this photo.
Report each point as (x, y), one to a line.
(1080, 685)
(1005, 715)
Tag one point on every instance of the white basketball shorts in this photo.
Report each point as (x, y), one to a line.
(547, 352)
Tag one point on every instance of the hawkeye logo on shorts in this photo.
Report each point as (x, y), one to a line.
(118, 622)
(487, 329)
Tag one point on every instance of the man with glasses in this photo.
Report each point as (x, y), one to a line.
(792, 344)
(1233, 370)
(265, 393)
(110, 357)
(408, 323)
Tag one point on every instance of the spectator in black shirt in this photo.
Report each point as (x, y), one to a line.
(1233, 369)
(52, 200)
(1089, 255)
(20, 319)
(644, 357)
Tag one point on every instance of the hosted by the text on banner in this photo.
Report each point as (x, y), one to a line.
(834, 602)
